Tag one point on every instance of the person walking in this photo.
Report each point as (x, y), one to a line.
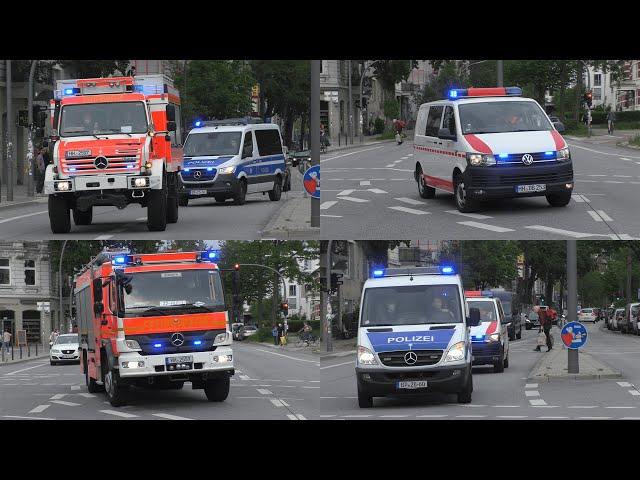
(6, 340)
(281, 336)
(545, 326)
(40, 171)
(611, 119)
(274, 334)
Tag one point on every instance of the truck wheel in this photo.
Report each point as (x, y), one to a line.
(157, 210)
(217, 390)
(82, 218)
(183, 200)
(364, 400)
(465, 395)
(241, 196)
(424, 190)
(559, 199)
(276, 193)
(463, 202)
(59, 214)
(172, 209)
(116, 392)
(220, 199)
(92, 386)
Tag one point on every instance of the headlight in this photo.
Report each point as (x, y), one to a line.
(480, 160)
(227, 170)
(140, 182)
(366, 357)
(564, 155)
(64, 186)
(55, 351)
(221, 338)
(455, 353)
(132, 344)
(494, 337)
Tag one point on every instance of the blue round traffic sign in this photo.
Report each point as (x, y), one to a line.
(574, 335)
(311, 181)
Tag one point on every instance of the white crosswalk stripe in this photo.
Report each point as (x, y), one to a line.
(477, 216)
(409, 210)
(486, 226)
(118, 414)
(327, 205)
(354, 199)
(410, 201)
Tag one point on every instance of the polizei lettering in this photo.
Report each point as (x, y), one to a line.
(412, 338)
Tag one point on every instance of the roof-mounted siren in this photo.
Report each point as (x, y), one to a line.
(456, 93)
(444, 269)
(100, 86)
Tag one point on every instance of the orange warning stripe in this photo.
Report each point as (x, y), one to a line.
(175, 323)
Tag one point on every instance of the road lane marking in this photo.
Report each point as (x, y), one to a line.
(354, 199)
(75, 387)
(410, 210)
(598, 151)
(264, 391)
(391, 165)
(472, 405)
(170, 417)
(87, 395)
(623, 176)
(287, 356)
(24, 369)
(532, 393)
(67, 404)
(345, 192)
(624, 384)
(511, 416)
(505, 406)
(583, 406)
(634, 392)
(486, 226)
(365, 182)
(594, 215)
(118, 414)
(27, 418)
(10, 219)
(351, 153)
(393, 416)
(568, 233)
(531, 385)
(537, 402)
(39, 409)
(276, 402)
(594, 418)
(331, 216)
(604, 216)
(327, 416)
(471, 416)
(327, 205)
(337, 365)
(477, 216)
(244, 377)
(290, 416)
(620, 407)
(553, 418)
(410, 201)
(376, 190)
(58, 396)
(300, 417)
(431, 416)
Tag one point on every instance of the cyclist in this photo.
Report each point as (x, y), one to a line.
(611, 118)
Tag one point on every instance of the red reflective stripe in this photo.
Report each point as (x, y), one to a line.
(481, 92)
(439, 183)
(493, 326)
(560, 143)
(477, 144)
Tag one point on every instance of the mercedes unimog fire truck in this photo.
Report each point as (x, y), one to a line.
(154, 321)
(112, 145)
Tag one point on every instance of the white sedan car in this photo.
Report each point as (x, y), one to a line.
(65, 349)
(587, 315)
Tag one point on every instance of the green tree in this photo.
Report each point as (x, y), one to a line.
(485, 264)
(447, 75)
(95, 68)
(215, 88)
(187, 245)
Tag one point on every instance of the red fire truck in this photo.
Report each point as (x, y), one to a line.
(112, 145)
(155, 321)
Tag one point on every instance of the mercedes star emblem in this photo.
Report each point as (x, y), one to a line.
(410, 358)
(177, 339)
(197, 174)
(527, 159)
(101, 163)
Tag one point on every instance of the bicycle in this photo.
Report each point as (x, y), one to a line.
(307, 340)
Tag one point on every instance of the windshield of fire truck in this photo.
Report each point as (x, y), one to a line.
(212, 144)
(172, 292)
(103, 118)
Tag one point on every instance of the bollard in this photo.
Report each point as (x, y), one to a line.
(20, 351)
(11, 352)
(29, 350)
(36, 349)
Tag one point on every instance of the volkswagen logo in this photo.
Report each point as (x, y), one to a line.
(101, 163)
(527, 159)
(197, 174)
(177, 339)
(410, 358)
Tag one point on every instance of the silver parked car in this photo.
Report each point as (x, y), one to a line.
(65, 349)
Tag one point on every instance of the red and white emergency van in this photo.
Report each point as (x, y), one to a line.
(116, 142)
(486, 143)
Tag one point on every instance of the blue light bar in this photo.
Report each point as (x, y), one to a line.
(72, 169)
(378, 273)
(120, 260)
(503, 155)
(209, 255)
(514, 91)
(157, 345)
(447, 270)
(186, 169)
(457, 92)
(198, 123)
(210, 169)
(197, 342)
(549, 154)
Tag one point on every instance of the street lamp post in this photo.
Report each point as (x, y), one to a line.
(364, 70)
(572, 300)
(60, 309)
(500, 73)
(314, 133)
(30, 149)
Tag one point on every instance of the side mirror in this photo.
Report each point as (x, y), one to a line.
(97, 290)
(171, 126)
(171, 113)
(445, 134)
(559, 126)
(474, 317)
(98, 308)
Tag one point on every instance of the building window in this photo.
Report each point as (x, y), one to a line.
(292, 290)
(5, 272)
(597, 80)
(292, 304)
(29, 272)
(597, 95)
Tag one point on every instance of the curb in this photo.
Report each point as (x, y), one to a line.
(338, 354)
(573, 376)
(15, 205)
(270, 231)
(23, 360)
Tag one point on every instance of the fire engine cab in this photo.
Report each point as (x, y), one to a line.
(487, 143)
(112, 146)
(154, 321)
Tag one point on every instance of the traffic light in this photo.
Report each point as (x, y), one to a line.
(284, 308)
(588, 98)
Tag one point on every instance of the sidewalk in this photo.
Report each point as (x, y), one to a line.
(20, 198)
(371, 140)
(43, 352)
(291, 346)
(553, 366)
(341, 348)
(600, 136)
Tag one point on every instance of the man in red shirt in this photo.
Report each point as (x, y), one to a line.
(545, 325)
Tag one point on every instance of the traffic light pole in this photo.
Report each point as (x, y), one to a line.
(329, 333)
(314, 134)
(572, 300)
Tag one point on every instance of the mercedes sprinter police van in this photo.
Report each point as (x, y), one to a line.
(413, 334)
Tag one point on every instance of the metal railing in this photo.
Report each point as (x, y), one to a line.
(19, 352)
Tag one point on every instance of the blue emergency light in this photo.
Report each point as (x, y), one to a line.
(456, 93)
(120, 260)
(549, 154)
(447, 270)
(197, 342)
(378, 273)
(71, 91)
(198, 123)
(210, 169)
(503, 155)
(209, 255)
(157, 345)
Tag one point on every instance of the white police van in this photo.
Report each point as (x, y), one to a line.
(413, 334)
(490, 339)
(486, 143)
(232, 158)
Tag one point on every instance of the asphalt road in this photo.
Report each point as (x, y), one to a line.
(268, 385)
(370, 193)
(508, 395)
(202, 218)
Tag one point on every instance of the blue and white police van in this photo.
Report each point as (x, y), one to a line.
(414, 334)
(228, 159)
(489, 339)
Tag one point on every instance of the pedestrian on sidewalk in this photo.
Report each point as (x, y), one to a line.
(611, 118)
(281, 335)
(274, 334)
(545, 326)
(6, 340)
(40, 171)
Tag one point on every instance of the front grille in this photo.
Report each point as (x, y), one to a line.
(68, 352)
(396, 358)
(481, 180)
(206, 175)
(116, 164)
(515, 159)
(148, 341)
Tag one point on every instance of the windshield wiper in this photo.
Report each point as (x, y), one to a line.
(195, 305)
(115, 130)
(150, 308)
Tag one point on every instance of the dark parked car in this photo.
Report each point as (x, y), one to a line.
(532, 320)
